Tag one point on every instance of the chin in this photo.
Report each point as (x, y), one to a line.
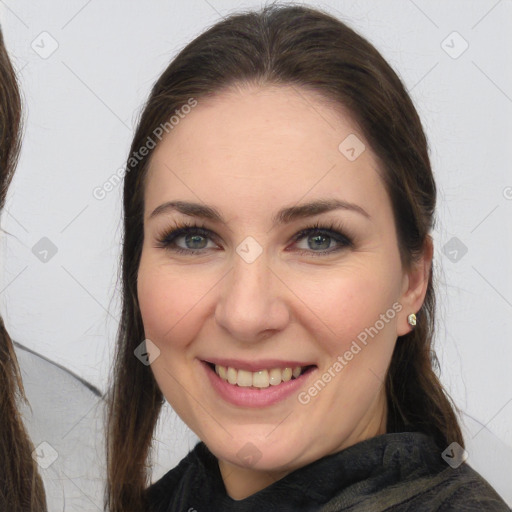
(257, 451)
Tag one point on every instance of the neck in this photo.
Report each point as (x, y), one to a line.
(242, 482)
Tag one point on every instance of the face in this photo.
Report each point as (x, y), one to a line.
(259, 292)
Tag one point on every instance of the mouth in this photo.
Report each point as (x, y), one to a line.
(260, 379)
(261, 384)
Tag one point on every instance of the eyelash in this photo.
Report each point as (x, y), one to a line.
(332, 230)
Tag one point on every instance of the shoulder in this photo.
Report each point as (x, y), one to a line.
(465, 490)
(451, 490)
(190, 469)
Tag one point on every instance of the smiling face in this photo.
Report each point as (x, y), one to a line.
(250, 292)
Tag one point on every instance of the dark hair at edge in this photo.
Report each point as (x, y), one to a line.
(305, 48)
(21, 488)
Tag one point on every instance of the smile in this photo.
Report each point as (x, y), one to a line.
(262, 384)
(259, 379)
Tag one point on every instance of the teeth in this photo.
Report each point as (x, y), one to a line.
(275, 377)
(231, 375)
(244, 378)
(259, 379)
(222, 372)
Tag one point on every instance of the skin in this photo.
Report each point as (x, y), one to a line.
(249, 152)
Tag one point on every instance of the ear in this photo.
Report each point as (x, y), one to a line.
(414, 288)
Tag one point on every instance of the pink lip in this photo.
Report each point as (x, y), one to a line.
(252, 397)
(255, 366)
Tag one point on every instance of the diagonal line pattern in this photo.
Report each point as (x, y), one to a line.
(279, 424)
(424, 14)
(486, 14)
(492, 81)
(13, 13)
(302, 301)
(14, 279)
(85, 415)
(207, 2)
(96, 95)
(485, 425)
(16, 220)
(424, 76)
(74, 218)
(492, 211)
(72, 480)
(198, 402)
(494, 288)
(196, 303)
(310, 189)
(89, 293)
(75, 15)
(312, 106)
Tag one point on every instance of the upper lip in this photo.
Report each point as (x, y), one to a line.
(254, 366)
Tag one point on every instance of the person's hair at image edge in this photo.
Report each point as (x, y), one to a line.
(306, 48)
(21, 488)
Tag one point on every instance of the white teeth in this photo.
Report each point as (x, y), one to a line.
(244, 378)
(259, 379)
(275, 376)
(231, 375)
(222, 372)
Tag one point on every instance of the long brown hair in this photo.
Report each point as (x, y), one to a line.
(306, 48)
(21, 488)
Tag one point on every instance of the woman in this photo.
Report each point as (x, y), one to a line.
(307, 374)
(21, 489)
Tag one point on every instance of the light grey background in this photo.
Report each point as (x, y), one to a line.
(81, 106)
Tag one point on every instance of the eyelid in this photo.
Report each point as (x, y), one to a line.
(334, 229)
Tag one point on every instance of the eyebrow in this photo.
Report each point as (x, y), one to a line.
(284, 216)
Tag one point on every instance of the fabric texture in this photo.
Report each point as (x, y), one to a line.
(396, 472)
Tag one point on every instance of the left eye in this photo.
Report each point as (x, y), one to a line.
(323, 240)
(196, 240)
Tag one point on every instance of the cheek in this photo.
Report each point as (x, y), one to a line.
(170, 300)
(348, 300)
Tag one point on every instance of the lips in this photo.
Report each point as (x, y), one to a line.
(257, 383)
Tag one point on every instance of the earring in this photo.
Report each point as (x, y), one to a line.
(411, 319)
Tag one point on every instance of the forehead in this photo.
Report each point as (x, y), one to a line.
(258, 145)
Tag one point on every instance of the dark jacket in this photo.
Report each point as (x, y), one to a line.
(395, 472)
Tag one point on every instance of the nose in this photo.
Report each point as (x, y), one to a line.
(252, 303)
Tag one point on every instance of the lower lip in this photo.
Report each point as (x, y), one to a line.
(255, 397)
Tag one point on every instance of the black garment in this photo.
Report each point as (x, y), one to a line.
(395, 472)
